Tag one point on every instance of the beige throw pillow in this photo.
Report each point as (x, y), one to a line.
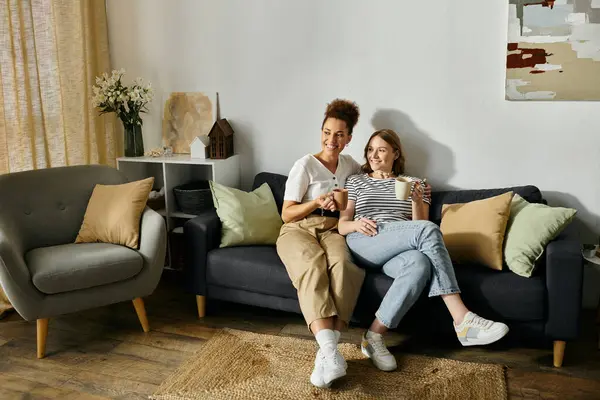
(474, 232)
(113, 213)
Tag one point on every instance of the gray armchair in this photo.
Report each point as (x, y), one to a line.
(44, 274)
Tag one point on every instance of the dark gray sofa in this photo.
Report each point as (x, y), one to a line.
(543, 307)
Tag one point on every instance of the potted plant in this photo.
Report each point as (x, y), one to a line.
(128, 102)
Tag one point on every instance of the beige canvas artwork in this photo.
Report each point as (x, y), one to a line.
(187, 115)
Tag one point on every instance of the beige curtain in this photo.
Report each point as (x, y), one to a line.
(50, 53)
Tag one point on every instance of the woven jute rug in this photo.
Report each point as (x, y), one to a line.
(243, 365)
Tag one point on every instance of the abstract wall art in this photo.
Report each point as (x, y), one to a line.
(186, 116)
(553, 50)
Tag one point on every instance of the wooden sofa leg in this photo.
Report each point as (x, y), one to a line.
(42, 334)
(559, 352)
(141, 313)
(201, 302)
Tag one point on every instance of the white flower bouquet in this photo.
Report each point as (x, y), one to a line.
(128, 102)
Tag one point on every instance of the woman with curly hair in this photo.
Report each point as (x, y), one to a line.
(315, 255)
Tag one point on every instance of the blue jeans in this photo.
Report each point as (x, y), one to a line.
(411, 252)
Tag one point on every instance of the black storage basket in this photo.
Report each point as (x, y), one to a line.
(193, 197)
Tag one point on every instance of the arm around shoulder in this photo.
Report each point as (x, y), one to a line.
(356, 168)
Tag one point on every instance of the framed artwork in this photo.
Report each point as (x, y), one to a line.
(553, 50)
(186, 116)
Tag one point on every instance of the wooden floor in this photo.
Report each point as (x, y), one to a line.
(103, 353)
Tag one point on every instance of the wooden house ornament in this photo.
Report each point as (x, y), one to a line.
(221, 140)
(221, 137)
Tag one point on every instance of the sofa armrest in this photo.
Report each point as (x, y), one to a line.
(564, 281)
(15, 277)
(202, 234)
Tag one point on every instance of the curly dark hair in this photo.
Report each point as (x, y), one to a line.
(344, 110)
(393, 140)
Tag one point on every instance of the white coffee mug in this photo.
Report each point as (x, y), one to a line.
(403, 188)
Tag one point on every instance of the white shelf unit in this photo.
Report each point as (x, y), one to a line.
(175, 170)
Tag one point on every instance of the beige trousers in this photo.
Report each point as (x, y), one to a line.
(320, 266)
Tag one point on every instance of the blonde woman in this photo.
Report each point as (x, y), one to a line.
(396, 236)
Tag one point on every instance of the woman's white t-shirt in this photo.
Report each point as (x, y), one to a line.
(310, 179)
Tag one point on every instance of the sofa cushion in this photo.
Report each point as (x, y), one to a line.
(251, 268)
(70, 267)
(493, 294)
(374, 288)
(502, 293)
(530, 193)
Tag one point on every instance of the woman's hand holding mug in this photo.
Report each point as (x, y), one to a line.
(325, 202)
(421, 190)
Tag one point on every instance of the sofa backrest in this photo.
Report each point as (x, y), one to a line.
(530, 193)
(46, 207)
(277, 184)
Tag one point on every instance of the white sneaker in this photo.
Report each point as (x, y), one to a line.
(334, 366)
(475, 330)
(373, 346)
(316, 378)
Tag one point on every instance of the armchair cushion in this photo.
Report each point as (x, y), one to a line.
(69, 267)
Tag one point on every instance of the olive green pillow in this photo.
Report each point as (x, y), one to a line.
(247, 218)
(530, 228)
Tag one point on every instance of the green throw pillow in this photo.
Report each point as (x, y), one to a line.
(247, 218)
(530, 228)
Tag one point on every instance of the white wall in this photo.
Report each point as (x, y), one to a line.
(435, 73)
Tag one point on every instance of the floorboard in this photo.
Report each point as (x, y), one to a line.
(103, 353)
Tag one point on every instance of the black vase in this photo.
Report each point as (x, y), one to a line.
(134, 143)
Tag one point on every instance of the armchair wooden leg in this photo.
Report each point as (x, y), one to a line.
(141, 313)
(42, 333)
(559, 352)
(201, 302)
